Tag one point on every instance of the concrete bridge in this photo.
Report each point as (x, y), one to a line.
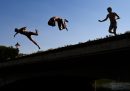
(77, 65)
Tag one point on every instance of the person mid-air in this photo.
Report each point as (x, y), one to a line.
(28, 34)
(61, 22)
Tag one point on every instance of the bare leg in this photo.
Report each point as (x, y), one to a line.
(110, 29)
(34, 42)
(66, 29)
(65, 25)
(113, 26)
(59, 25)
(34, 33)
(114, 31)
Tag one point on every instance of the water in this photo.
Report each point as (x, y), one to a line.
(113, 86)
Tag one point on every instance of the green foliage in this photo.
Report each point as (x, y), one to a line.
(8, 53)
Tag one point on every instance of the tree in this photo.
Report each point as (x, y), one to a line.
(8, 53)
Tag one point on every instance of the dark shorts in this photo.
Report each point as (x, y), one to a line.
(113, 25)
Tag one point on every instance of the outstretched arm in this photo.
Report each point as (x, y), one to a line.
(15, 34)
(104, 19)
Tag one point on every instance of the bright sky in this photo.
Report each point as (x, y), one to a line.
(83, 16)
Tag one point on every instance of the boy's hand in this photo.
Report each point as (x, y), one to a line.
(99, 20)
(118, 18)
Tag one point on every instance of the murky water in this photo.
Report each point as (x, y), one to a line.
(113, 86)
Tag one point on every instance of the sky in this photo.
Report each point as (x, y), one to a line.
(83, 25)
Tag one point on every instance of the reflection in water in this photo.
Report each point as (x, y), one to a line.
(111, 86)
(117, 86)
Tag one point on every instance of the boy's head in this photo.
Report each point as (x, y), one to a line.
(109, 9)
(16, 30)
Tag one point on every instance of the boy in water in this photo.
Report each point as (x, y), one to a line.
(112, 17)
(28, 34)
